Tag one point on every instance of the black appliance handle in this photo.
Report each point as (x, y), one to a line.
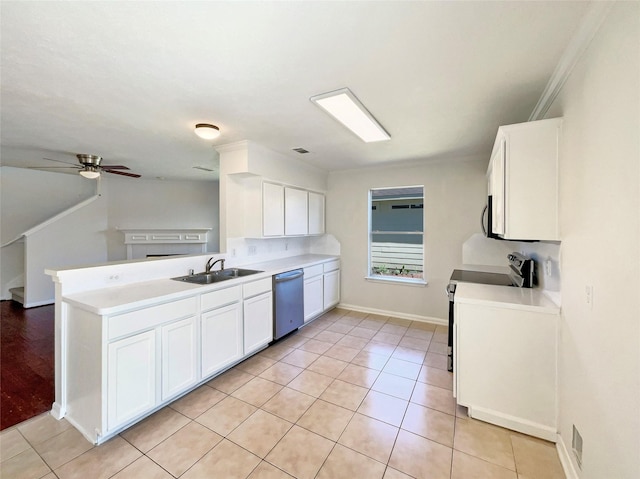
(484, 211)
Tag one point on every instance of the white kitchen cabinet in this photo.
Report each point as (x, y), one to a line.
(273, 212)
(296, 212)
(313, 292)
(179, 357)
(331, 284)
(505, 366)
(523, 180)
(258, 314)
(131, 378)
(258, 322)
(221, 338)
(316, 213)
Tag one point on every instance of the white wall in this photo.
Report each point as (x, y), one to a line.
(454, 194)
(27, 198)
(30, 197)
(140, 203)
(599, 370)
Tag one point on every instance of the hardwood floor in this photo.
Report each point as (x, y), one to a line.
(26, 362)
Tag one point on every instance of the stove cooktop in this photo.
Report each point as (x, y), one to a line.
(480, 277)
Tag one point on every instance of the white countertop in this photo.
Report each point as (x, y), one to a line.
(526, 299)
(118, 299)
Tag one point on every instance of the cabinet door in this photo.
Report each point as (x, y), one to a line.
(131, 378)
(498, 189)
(313, 297)
(258, 322)
(316, 213)
(331, 289)
(179, 357)
(296, 212)
(272, 209)
(221, 338)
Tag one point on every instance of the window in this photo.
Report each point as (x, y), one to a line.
(396, 234)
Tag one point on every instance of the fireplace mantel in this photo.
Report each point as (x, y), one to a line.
(144, 242)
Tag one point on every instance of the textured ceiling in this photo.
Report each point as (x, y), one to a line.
(128, 80)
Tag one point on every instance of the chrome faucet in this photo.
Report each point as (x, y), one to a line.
(209, 265)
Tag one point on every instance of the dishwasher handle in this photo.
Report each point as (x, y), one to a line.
(288, 276)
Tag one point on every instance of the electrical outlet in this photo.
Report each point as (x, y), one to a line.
(286, 246)
(233, 252)
(547, 267)
(252, 250)
(588, 296)
(113, 277)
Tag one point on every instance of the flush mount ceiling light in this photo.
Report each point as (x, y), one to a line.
(207, 131)
(90, 172)
(347, 109)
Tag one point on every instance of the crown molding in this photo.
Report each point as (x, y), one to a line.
(579, 42)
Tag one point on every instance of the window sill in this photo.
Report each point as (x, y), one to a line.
(400, 281)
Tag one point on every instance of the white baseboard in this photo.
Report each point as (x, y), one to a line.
(39, 303)
(514, 423)
(565, 459)
(395, 314)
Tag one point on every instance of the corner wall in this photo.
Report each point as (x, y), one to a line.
(599, 357)
(454, 194)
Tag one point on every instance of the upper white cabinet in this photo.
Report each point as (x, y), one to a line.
(296, 212)
(316, 213)
(275, 210)
(523, 181)
(273, 216)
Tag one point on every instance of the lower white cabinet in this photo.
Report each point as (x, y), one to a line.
(258, 322)
(505, 367)
(313, 297)
(131, 378)
(179, 357)
(331, 293)
(221, 338)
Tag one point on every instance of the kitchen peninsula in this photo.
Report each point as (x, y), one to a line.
(129, 339)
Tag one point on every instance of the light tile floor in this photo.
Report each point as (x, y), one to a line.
(349, 396)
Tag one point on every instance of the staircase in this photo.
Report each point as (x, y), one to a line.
(17, 294)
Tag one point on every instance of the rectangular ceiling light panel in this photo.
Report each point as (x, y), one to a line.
(345, 107)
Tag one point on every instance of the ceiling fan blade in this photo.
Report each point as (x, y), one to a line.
(59, 161)
(115, 167)
(123, 173)
(52, 167)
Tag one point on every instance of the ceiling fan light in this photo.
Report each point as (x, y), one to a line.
(91, 174)
(207, 131)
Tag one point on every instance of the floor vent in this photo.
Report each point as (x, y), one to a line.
(576, 445)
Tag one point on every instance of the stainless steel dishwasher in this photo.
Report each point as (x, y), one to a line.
(288, 302)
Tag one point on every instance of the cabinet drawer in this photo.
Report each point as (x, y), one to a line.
(332, 265)
(129, 323)
(256, 287)
(311, 271)
(221, 297)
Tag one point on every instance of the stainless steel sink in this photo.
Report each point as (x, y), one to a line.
(216, 276)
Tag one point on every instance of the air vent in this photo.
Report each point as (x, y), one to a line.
(302, 151)
(202, 168)
(576, 445)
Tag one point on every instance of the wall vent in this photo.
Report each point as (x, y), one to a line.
(576, 445)
(302, 151)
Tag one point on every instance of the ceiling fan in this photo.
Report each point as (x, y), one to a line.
(91, 166)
